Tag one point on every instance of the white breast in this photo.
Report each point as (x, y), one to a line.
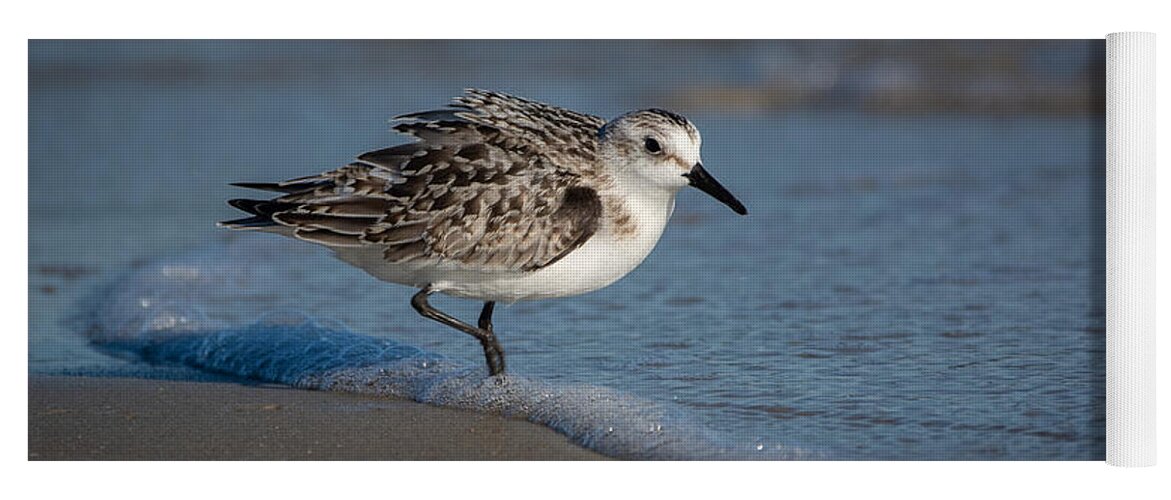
(607, 256)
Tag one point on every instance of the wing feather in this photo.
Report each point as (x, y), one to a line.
(493, 183)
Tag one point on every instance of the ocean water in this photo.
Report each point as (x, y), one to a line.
(921, 287)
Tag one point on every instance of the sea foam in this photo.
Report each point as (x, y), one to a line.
(205, 310)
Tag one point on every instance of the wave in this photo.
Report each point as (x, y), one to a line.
(200, 310)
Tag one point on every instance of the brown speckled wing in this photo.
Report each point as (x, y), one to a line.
(566, 137)
(495, 183)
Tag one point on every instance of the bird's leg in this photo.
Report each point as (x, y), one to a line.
(492, 351)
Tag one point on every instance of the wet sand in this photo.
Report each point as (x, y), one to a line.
(83, 418)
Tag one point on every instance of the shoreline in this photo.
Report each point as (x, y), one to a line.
(93, 418)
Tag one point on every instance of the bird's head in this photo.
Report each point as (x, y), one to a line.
(661, 148)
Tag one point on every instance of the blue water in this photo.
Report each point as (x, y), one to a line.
(905, 287)
(156, 315)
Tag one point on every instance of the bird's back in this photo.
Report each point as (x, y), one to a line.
(493, 184)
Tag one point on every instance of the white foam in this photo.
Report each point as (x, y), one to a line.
(210, 310)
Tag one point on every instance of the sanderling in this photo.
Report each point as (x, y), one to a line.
(499, 199)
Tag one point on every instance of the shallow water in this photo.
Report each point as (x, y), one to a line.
(189, 311)
(917, 287)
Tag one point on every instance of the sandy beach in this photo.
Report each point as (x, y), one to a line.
(83, 418)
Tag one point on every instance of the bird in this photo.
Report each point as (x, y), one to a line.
(498, 198)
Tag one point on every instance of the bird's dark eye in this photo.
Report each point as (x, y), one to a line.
(652, 145)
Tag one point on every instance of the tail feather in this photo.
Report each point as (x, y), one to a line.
(247, 223)
(261, 211)
(288, 187)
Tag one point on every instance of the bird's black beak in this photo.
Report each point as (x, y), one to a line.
(699, 178)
